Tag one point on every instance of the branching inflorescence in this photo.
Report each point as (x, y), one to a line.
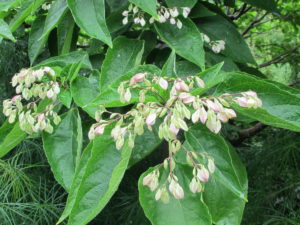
(33, 87)
(180, 107)
(164, 14)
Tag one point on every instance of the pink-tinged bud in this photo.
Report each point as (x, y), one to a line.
(15, 99)
(99, 130)
(181, 86)
(176, 190)
(173, 129)
(41, 117)
(150, 120)
(49, 71)
(195, 186)
(223, 117)
(203, 115)
(148, 179)
(215, 105)
(163, 83)
(230, 113)
(172, 21)
(151, 180)
(203, 174)
(186, 98)
(136, 20)
(50, 93)
(242, 101)
(139, 77)
(250, 93)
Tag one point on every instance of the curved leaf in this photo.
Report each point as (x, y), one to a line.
(56, 12)
(103, 174)
(111, 98)
(63, 147)
(148, 6)
(230, 171)
(281, 104)
(5, 31)
(125, 54)
(10, 136)
(90, 16)
(187, 41)
(218, 28)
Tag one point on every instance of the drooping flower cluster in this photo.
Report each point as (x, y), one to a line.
(32, 87)
(216, 46)
(164, 14)
(174, 112)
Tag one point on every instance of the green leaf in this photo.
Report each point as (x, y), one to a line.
(169, 68)
(187, 41)
(210, 77)
(63, 147)
(111, 98)
(281, 104)
(148, 6)
(103, 174)
(200, 11)
(65, 34)
(224, 206)
(65, 97)
(67, 59)
(126, 54)
(181, 3)
(79, 172)
(190, 210)
(28, 7)
(10, 136)
(90, 17)
(185, 68)
(5, 31)
(226, 192)
(5, 5)
(35, 42)
(85, 89)
(55, 14)
(144, 145)
(269, 5)
(213, 58)
(230, 172)
(218, 28)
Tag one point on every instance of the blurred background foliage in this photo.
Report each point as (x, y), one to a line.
(29, 194)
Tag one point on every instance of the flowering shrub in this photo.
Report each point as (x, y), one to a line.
(148, 73)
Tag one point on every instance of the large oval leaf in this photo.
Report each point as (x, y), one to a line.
(125, 54)
(230, 171)
(281, 104)
(103, 174)
(5, 31)
(190, 210)
(90, 17)
(218, 28)
(55, 14)
(148, 6)
(187, 41)
(63, 147)
(10, 136)
(111, 98)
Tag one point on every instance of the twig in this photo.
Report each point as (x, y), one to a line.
(280, 57)
(254, 23)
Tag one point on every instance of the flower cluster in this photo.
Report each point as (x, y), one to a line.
(164, 14)
(216, 46)
(32, 87)
(175, 112)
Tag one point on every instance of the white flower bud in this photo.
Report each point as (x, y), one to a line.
(174, 12)
(203, 174)
(150, 120)
(200, 82)
(151, 20)
(172, 21)
(211, 165)
(136, 20)
(163, 83)
(50, 93)
(195, 186)
(181, 86)
(125, 13)
(179, 24)
(186, 11)
(125, 20)
(127, 95)
(142, 22)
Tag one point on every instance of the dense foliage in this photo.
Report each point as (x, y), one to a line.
(149, 112)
